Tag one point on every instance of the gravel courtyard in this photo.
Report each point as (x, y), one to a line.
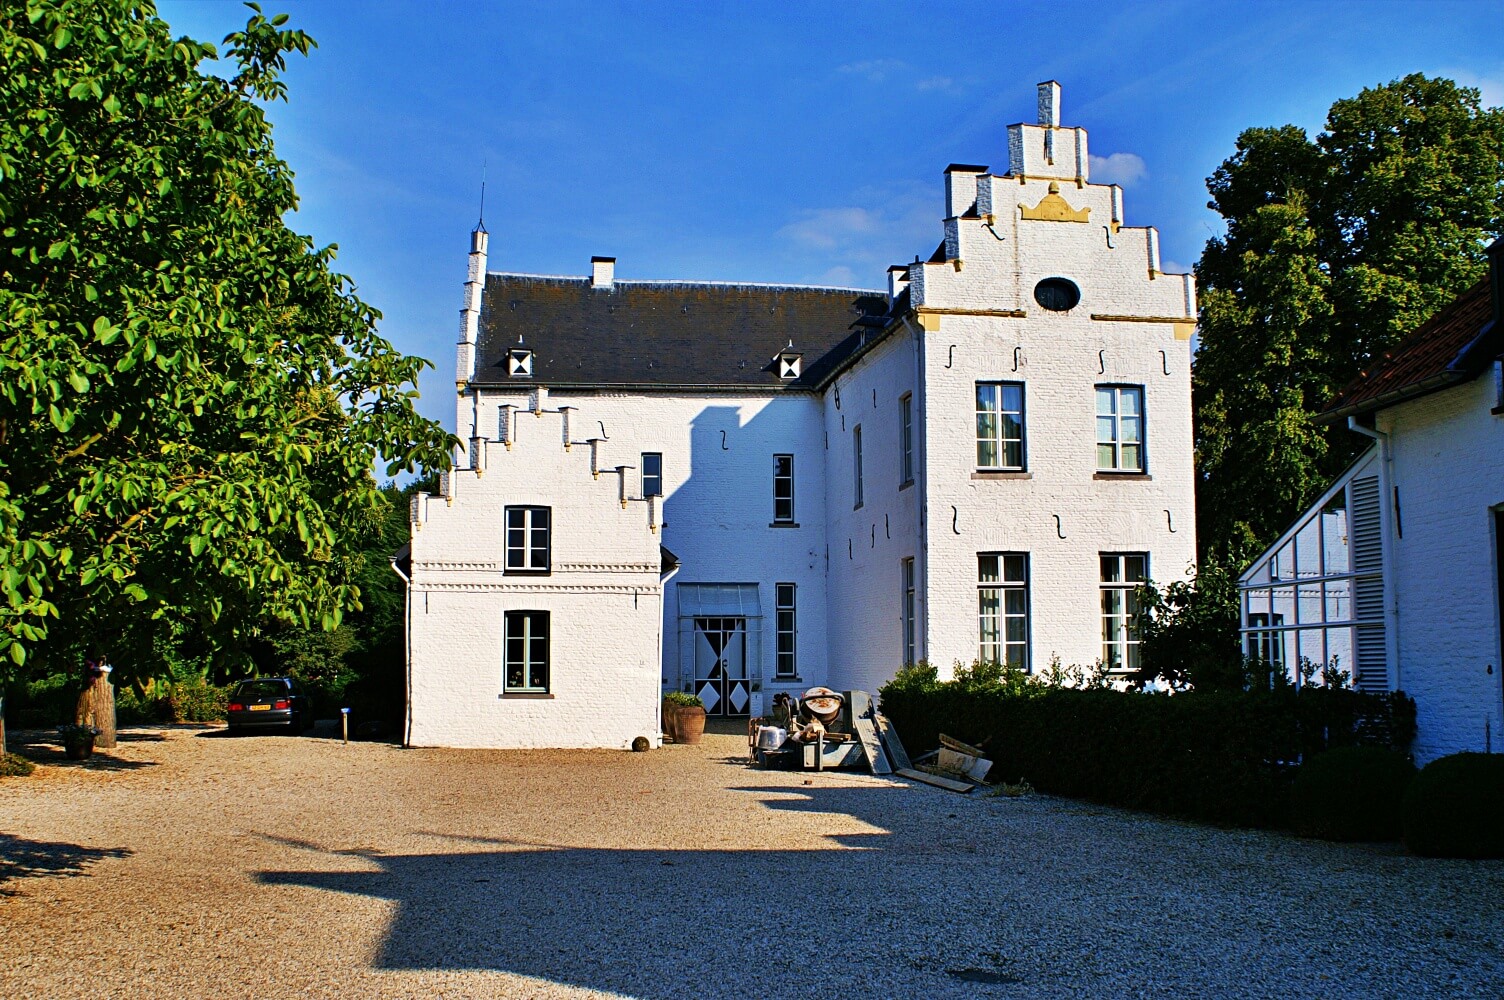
(187, 864)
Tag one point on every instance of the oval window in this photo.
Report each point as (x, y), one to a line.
(1057, 294)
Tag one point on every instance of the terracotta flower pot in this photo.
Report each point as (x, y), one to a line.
(79, 749)
(670, 717)
(690, 724)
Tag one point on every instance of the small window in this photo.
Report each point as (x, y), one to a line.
(783, 489)
(1003, 608)
(1057, 294)
(1267, 646)
(1122, 575)
(652, 474)
(527, 539)
(905, 439)
(1000, 426)
(1120, 428)
(907, 574)
(789, 364)
(787, 631)
(856, 465)
(520, 363)
(527, 652)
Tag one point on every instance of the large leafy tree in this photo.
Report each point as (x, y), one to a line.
(1335, 248)
(191, 399)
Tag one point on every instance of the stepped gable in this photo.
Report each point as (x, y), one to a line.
(647, 334)
(1453, 346)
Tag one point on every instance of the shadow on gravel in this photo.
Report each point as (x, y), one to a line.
(48, 749)
(23, 859)
(677, 923)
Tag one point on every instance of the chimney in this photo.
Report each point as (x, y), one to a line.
(1049, 104)
(898, 280)
(602, 272)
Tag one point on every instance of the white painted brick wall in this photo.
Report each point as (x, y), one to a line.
(1449, 469)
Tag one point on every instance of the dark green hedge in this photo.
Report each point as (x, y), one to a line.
(1219, 756)
(1455, 807)
(1351, 793)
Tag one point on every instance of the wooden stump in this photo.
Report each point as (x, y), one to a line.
(96, 707)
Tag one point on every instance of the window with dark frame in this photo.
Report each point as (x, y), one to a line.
(787, 665)
(527, 539)
(906, 439)
(908, 610)
(1123, 573)
(856, 464)
(652, 474)
(1003, 608)
(526, 653)
(1000, 426)
(1120, 428)
(783, 489)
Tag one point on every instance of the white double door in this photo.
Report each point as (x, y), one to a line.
(721, 665)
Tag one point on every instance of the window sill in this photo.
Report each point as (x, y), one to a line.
(905, 485)
(857, 507)
(526, 695)
(1000, 474)
(1123, 475)
(1498, 411)
(527, 572)
(796, 679)
(783, 524)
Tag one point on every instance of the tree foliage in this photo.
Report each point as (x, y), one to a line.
(191, 399)
(1335, 248)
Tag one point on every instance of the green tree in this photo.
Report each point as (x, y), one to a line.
(191, 399)
(1335, 248)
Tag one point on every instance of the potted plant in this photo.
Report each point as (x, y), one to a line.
(78, 740)
(688, 716)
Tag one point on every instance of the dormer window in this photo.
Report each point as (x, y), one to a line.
(520, 362)
(790, 364)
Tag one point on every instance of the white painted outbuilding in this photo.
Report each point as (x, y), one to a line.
(1394, 576)
(738, 489)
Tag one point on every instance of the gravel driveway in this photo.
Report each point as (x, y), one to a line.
(188, 864)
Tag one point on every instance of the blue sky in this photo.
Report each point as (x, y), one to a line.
(776, 142)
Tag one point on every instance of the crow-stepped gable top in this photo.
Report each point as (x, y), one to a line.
(601, 331)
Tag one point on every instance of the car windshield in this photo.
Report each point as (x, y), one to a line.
(261, 689)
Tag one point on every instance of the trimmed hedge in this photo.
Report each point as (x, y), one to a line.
(1351, 793)
(1225, 757)
(1455, 807)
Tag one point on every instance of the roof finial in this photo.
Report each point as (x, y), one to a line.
(480, 224)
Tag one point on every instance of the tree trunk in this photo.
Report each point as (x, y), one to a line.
(96, 707)
(2, 722)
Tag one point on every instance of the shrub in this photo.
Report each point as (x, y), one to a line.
(13, 765)
(1455, 808)
(132, 708)
(683, 699)
(196, 700)
(1351, 793)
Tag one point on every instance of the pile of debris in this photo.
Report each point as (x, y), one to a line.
(831, 730)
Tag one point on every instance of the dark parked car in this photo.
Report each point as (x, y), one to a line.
(269, 703)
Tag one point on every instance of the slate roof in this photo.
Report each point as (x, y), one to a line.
(647, 334)
(1453, 346)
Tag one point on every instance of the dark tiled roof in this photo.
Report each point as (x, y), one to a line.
(660, 334)
(1453, 346)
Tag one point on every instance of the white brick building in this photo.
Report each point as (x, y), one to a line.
(978, 462)
(1397, 572)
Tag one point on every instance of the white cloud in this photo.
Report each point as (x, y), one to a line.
(875, 70)
(1118, 168)
(852, 245)
(935, 83)
(1175, 267)
(828, 228)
